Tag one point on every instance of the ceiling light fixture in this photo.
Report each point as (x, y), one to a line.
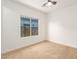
(49, 3)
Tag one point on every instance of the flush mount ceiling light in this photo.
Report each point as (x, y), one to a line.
(49, 3)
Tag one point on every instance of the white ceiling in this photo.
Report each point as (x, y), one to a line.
(38, 3)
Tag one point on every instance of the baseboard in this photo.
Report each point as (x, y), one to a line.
(63, 44)
(36, 44)
(23, 47)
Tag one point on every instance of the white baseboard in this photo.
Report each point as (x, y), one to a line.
(62, 43)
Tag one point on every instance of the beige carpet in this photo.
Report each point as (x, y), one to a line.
(44, 50)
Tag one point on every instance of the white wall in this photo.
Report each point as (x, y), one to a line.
(11, 26)
(62, 26)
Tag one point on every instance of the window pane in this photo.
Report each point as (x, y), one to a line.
(25, 27)
(34, 27)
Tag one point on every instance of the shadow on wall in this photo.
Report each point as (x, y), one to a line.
(55, 30)
(58, 33)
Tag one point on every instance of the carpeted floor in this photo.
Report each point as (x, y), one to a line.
(44, 50)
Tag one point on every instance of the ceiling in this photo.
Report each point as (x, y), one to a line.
(37, 4)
